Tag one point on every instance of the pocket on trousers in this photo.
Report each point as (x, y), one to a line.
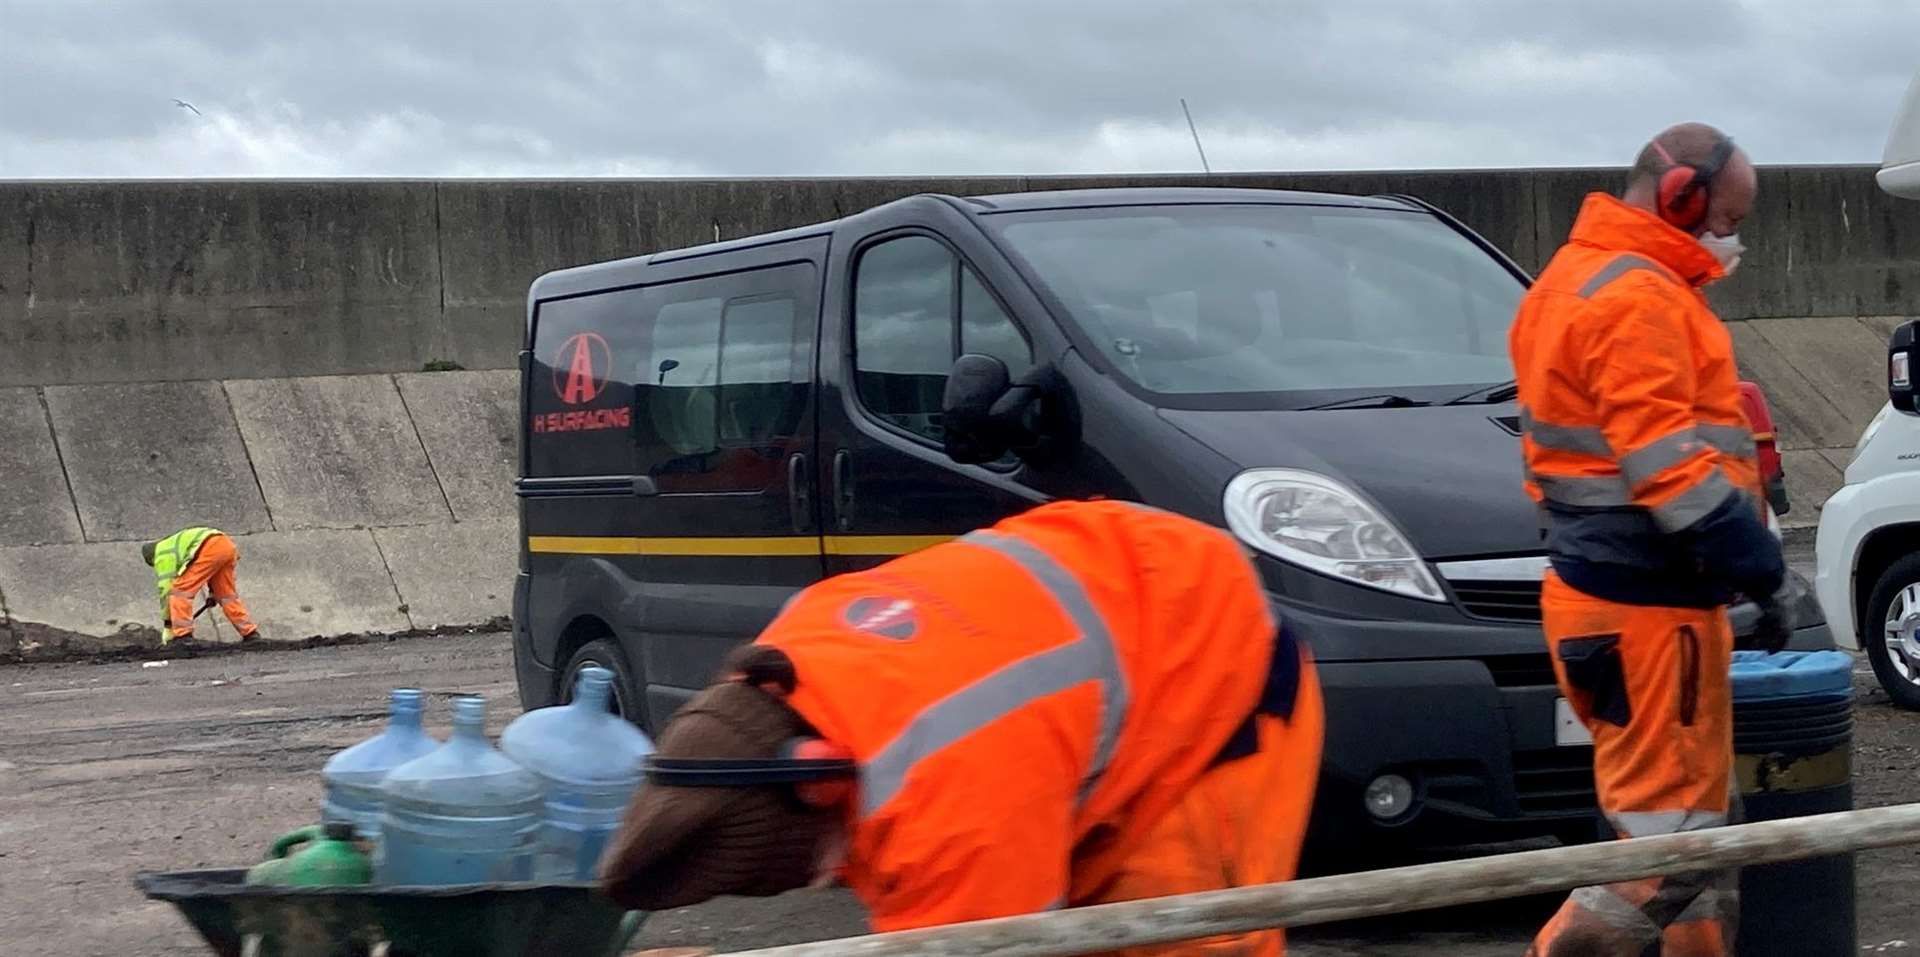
(1689, 675)
(1593, 666)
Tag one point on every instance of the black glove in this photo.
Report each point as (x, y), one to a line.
(1775, 625)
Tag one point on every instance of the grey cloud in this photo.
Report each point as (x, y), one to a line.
(757, 87)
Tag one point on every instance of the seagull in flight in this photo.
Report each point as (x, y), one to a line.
(183, 104)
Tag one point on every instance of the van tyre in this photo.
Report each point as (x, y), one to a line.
(606, 653)
(1894, 606)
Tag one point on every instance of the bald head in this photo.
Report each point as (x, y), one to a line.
(1730, 194)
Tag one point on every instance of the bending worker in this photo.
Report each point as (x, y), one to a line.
(187, 561)
(1086, 703)
(1639, 452)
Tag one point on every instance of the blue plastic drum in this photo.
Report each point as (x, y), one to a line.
(1793, 756)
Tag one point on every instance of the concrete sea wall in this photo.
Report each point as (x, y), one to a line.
(171, 281)
(248, 355)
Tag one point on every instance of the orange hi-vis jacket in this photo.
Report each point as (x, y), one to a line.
(1026, 703)
(1635, 436)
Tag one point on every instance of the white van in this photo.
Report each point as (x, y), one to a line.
(1900, 167)
(1868, 544)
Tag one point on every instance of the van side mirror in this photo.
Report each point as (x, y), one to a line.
(969, 431)
(1900, 348)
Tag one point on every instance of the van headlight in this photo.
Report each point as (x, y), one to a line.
(1317, 523)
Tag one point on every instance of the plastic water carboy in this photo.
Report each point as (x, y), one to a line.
(589, 760)
(463, 814)
(353, 776)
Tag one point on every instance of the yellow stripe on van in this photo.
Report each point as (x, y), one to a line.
(780, 547)
(882, 544)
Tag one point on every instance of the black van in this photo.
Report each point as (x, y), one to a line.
(709, 430)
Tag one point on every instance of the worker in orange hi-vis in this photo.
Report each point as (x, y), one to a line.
(1083, 704)
(187, 561)
(1640, 455)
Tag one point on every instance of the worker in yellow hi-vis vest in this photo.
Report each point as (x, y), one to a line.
(183, 563)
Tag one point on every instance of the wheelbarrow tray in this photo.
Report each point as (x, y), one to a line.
(484, 920)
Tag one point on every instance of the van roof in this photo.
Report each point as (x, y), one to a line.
(587, 277)
(1169, 196)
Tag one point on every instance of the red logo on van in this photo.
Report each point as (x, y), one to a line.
(588, 360)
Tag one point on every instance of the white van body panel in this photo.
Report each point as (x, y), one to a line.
(1900, 166)
(1882, 489)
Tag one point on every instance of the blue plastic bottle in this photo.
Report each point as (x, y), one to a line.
(463, 814)
(589, 760)
(353, 776)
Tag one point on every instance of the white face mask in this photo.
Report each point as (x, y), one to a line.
(1727, 249)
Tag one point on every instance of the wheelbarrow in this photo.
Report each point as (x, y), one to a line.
(482, 920)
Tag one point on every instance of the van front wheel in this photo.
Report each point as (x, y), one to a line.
(606, 653)
(1892, 631)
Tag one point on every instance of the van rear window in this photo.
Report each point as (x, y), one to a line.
(705, 387)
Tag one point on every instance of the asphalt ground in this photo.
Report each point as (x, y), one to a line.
(111, 768)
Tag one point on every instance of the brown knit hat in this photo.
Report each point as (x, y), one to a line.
(682, 845)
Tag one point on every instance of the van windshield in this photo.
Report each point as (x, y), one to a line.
(1276, 306)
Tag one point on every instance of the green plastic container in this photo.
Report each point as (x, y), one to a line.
(271, 871)
(328, 859)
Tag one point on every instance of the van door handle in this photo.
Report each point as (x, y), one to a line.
(843, 489)
(799, 492)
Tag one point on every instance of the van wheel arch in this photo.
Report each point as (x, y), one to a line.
(1878, 553)
(591, 632)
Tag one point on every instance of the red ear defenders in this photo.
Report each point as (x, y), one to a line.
(1685, 189)
(820, 773)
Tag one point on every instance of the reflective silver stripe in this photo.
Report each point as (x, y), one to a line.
(1660, 455)
(1695, 503)
(1585, 492)
(1585, 440)
(1649, 823)
(1620, 266)
(230, 599)
(1732, 440)
(1712, 903)
(1093, 630)
(180, 594)
(1616, 912)
(1089, 657)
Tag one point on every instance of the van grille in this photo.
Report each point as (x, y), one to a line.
(1500, 600)
(1521, 671)
(1554, 780)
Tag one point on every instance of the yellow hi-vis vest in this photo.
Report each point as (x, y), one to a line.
(172, 555)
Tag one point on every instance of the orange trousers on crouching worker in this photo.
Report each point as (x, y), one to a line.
(1651, 684)
(212, 568)
(1241, 824)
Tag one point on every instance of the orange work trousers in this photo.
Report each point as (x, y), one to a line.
(1651, 684)
(212, 569)
(1241, 824)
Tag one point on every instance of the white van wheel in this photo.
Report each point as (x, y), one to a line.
(1893, 636)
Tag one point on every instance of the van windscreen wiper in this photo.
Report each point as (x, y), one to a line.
(1385, 400)
(1490, 395)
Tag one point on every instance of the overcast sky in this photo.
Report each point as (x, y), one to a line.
(881, 87)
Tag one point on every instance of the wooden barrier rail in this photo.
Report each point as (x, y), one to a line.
(1090, 930)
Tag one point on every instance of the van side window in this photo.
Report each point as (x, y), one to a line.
(579, 391)
(682, 363)
(916, 308)
(757, 398)
(720, 395)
